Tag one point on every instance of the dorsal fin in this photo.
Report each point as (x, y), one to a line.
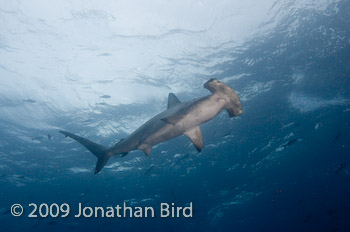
(195, 135)
(172, 100)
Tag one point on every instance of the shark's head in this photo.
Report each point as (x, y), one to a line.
(233, 105)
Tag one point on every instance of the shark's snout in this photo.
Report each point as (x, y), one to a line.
(210, 85)
(236, 109)
(233, 105)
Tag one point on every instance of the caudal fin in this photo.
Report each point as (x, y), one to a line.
(99, 151)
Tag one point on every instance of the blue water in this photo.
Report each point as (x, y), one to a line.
(100, 71)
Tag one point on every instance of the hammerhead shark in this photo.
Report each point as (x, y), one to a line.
(179, 118)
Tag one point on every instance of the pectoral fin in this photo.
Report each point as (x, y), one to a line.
(145, 148)
(195, 135)
(124, 154)
(173, 119)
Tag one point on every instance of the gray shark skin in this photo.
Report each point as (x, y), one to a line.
(179, 119)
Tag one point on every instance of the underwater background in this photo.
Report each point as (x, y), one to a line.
(100, 69)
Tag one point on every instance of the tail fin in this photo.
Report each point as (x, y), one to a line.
(99, 151)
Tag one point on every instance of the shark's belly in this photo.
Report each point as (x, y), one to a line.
(157, 130)
(192, 119)
(201, 114)
(163, 133)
